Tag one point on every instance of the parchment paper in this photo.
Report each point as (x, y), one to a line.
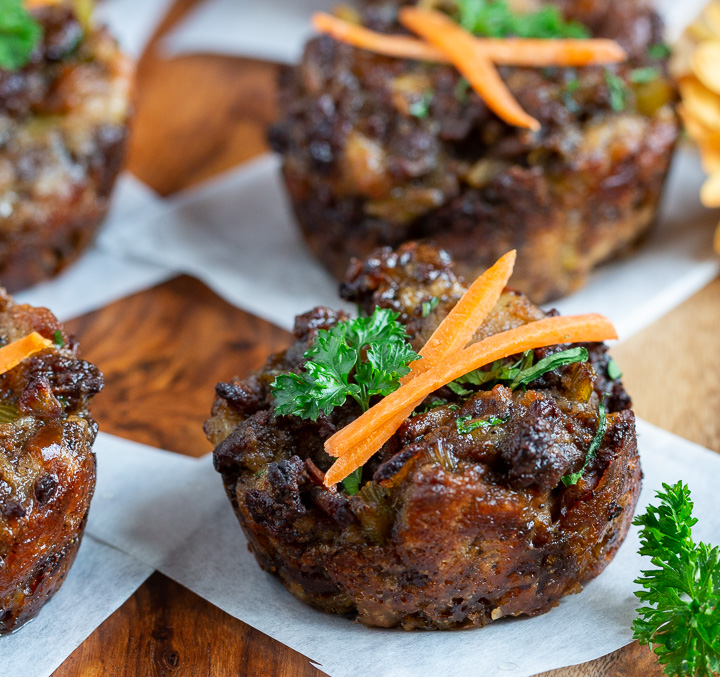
(100, 581)
(276, 30)
(237, 234)
(132, 22)
(102, 275)
(135, 484)
(211, 559)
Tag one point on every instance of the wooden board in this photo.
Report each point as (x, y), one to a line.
(163, 350)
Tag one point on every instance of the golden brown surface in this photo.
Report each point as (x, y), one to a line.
(47, 468)
(164, 629)
(65, 120)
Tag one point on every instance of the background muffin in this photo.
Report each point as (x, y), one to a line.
(379, 150)
(64, 112)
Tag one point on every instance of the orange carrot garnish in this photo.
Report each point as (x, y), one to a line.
(14, 353)
(461, 49)
(455, 331)
(347, 443)
(545, 52)
(402, 46)
(502, 51)
(461, 323)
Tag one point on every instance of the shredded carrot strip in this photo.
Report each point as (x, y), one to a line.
(461, 49)
(501, 51)
(456, 330)
(346, 443)
(461, 323)
(401, 46)
(35, 4)
(14, 353)
(542, 53)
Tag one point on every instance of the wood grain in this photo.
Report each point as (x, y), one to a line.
(163, 350)
(164, 629)
(176, 342)
(672, 369)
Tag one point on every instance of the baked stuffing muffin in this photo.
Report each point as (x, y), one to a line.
(47, 466)
(379, 150)
(467, 513)
(64, 117)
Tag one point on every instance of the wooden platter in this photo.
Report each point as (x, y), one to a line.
(163, 350)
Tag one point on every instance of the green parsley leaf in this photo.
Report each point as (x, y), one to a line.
(659, 51)
(429, 306)
(496, 19)
(550, 363)
(58, 339)
(19, 34)
(568, 91)
(421, 108)
(613, 371)
(618, 91)
(466, 425)
(351, 483)
(642, 76)
(357, 358)
(458, 389)
(680, 616)
(461, 90)
(521, 373)
(433, 404)
(9, 413)
(571, 480)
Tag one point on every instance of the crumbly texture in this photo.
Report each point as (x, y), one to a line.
(47, 467)
(378, 151)
(63, 134)
(449, 530)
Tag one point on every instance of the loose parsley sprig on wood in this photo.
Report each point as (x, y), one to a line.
(496, 19)
(357, 358)
(680, 617)
(19, 34)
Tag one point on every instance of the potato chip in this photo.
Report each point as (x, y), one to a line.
(706, 64)
(681, 58)
(708, 142)
(695, 128)
(700, 31)
(710, 156)
(710, 191)
(701, 102)
(711, 16)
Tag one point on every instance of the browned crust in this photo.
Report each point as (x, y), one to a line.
(450, 530)
(47, 466)
(363, 171)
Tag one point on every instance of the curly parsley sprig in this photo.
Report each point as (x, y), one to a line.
(496, 19)
(19, 34)
(358, 358)
(680, 618)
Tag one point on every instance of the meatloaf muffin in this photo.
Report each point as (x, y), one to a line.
(451, 527)
(379, 151)
(63, 132)
(47, 467)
